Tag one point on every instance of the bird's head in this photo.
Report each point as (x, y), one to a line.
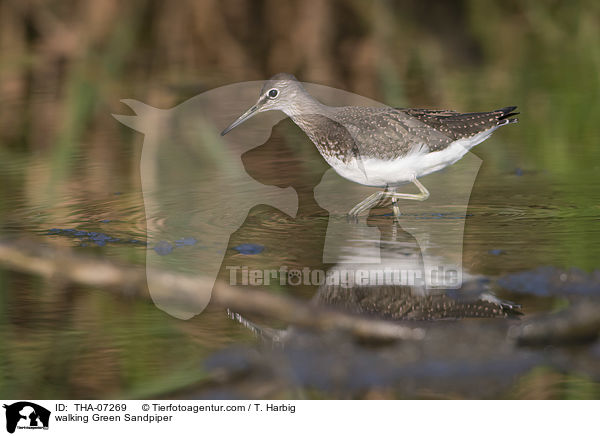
(280, 92)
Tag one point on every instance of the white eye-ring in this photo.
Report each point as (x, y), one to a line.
(273, 93)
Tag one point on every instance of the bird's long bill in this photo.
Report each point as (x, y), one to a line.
(245, 116)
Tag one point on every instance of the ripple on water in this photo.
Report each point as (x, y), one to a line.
(550, 281)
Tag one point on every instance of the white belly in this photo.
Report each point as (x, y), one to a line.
(382, 173)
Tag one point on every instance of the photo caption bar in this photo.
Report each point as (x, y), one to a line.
(155, 417)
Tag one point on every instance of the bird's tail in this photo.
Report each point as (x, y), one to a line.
(504, 114)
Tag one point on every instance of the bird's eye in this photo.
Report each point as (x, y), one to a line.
(273, 93)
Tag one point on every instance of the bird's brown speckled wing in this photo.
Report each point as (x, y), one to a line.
(462, 125)
(387, 133)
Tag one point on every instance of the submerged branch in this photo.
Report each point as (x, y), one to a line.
(63, 265)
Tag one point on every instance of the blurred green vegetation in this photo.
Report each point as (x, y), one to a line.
(64, 66)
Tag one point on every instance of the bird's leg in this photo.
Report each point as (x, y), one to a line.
(421, 196)
(390, 193)
(395, 208)
(366, 204)
(395, 196)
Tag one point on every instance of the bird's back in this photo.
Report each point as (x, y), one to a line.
(391, 133)
(458, 125)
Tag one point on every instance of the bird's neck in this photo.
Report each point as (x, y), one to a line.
(305, 104)
(305, 110)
